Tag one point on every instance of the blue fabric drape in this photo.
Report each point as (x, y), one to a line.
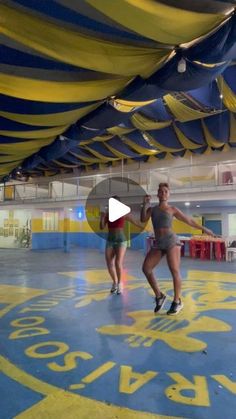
(156, 111)
(219, 126)
(218, 47)
(167, 137)
(195, 76)
(104, 117)
(208, 95)
(21, 106)
(192, 130)
(118, 144)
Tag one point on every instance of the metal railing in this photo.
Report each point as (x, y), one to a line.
(181, 179)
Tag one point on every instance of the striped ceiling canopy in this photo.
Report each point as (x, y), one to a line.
(85, 83)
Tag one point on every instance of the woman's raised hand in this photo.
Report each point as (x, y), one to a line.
(147, 199)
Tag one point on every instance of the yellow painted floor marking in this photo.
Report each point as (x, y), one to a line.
(11, 296)
(61, 404)
(22, 377)
(100, 276)
(72, 406)
(211, 276)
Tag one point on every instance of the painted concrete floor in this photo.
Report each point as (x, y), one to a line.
(70, 349)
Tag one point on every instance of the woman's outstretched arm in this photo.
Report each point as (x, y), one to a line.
(134, 221)
(190, 221)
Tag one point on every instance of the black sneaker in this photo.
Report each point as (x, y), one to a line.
(160, 301)
(175, 308)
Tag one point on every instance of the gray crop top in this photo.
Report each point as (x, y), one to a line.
(161, 218)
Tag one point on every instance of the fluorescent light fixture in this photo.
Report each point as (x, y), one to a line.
(187, 204)
(181, 68)
(198, 206)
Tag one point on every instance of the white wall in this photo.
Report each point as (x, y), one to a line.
(232, 224)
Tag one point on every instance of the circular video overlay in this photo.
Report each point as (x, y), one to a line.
(116, 203)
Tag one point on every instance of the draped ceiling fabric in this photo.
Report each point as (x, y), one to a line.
(85, 83)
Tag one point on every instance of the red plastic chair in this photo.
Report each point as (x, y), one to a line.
(219, 250)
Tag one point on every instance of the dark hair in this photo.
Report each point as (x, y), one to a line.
(163, 185)
(116, 197)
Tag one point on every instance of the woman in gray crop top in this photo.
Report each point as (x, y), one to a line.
(166, 242)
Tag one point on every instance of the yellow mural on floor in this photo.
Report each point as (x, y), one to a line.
(145, 331)
(70, 406)
(100, 276)
(63, 404)
(11, 296)
(57, 403)
(202, 292)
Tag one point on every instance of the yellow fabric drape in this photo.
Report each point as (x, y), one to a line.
(25, 146)
(210, 140)
(86, 159)
(184, 113)
(229, 97)
(226, 148)
(158, 21)
(41, 133)
(187, 154)
(58, 92)
(207, 152)
(207, 65)
(232, 135)
(10, 157)
(128, 106)
(7, 168)
(161, 147)
(71, 47)
(69, 165)
(99, 155)
(138, 148)
(116, 152)
(52, 119)
(143, 123)
(186, 143)
(119, 130)
(101, 139)
(168, 156)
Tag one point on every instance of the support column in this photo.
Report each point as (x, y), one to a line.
(66, 235)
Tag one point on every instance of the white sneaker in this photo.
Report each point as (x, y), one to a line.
(119, 290)
(114, 289)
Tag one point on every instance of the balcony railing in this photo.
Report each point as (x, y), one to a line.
(181, 179)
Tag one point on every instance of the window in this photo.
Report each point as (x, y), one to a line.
(232, 224)
(50, 221)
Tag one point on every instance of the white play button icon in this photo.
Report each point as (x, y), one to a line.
(116, 209)
(112, 198)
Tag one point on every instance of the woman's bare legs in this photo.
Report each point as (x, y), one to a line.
(119, 257)
(110, 258)
(173, 260)
(151, 260)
